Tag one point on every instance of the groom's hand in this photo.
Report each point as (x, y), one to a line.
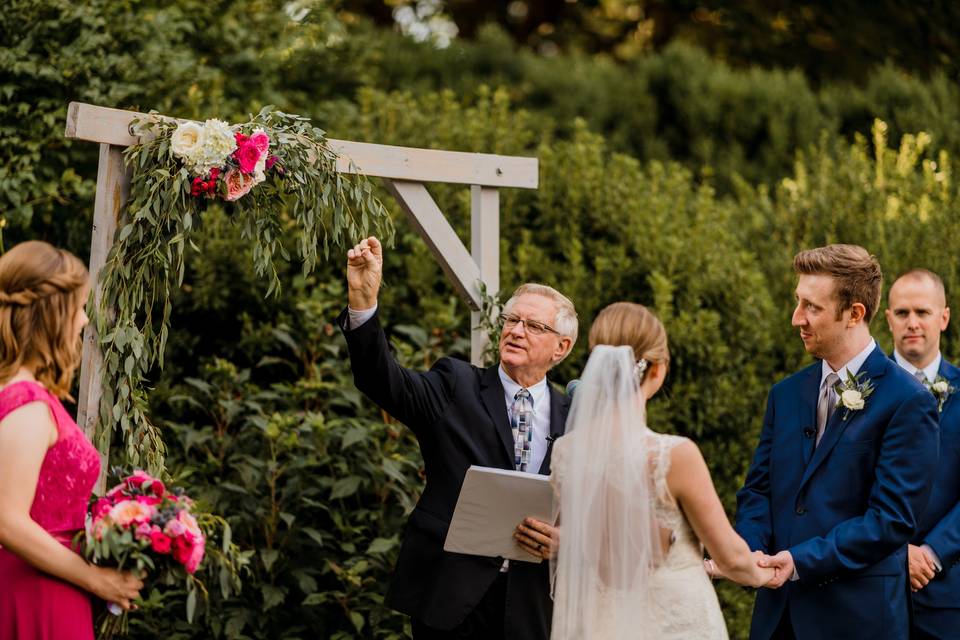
(783, 565)
(921, 567)
(537, 538)
(364, 274)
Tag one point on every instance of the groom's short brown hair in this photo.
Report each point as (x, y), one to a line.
(857, 274)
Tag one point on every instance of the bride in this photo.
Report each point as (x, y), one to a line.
(636, 507)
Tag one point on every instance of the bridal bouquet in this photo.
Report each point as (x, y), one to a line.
(223, 161)
(140, 525)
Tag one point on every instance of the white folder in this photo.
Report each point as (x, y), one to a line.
(492, 503)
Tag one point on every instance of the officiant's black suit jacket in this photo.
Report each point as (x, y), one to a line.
(458, 413)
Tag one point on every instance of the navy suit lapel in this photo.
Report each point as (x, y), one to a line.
(492, 394)
(809, 396)
(559, 406)
(952, 374)
(874, 368)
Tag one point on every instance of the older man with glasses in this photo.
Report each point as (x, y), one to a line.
(504, 416)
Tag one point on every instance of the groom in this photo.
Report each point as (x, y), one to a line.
(843, 469)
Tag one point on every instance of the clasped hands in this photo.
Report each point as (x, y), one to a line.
(781, 564)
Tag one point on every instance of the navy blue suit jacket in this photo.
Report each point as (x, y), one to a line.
(940, 524)
(846, 508)
(459, 415)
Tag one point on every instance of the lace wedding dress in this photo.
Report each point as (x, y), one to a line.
(678, 601)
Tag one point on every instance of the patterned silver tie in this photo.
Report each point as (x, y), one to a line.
(920, 376)
(521, 421)
(826, 404)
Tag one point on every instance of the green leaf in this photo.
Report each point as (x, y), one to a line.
(345, 487)
(191, 605)
(272, 596)
(357, 621)
(382, 545)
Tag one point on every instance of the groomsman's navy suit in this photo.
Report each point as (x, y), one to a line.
(459, 415)
(846, 508)
(937, 606)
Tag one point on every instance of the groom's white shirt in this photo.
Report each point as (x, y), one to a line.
(930, 372)
(851, 368)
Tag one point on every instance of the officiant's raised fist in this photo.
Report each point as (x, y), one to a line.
(364, 273)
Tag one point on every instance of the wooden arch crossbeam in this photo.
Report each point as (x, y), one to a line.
(404, 171)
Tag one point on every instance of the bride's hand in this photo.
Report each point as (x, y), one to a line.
(764, 575)
(712, 569)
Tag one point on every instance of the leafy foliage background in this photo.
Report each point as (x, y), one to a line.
(670, 179)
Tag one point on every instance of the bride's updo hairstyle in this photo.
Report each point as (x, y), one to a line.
(41, 291)
(628, 323)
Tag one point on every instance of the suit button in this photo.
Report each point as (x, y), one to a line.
(801, 511)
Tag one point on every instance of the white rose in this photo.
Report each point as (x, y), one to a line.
(940, 387)
(852, 399)
(186, 140)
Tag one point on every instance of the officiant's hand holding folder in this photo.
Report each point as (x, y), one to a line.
(492, 503)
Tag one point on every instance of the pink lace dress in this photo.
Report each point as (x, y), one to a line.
(33, 604)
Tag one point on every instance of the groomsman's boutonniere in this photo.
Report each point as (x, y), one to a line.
(941, 390)
(853, 393)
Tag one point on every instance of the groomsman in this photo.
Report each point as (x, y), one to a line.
(917, 314)
(844, 467)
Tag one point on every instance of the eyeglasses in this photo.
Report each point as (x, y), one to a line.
(531, 326)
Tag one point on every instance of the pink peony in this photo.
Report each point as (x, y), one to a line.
(247, 156)
(138, 478)
(238, 185)
(175, 529)
(143, 531)
(196, 557)
(182, 550)
(159, 542)
(191, 526)
(148, 500)
(131, 512)
(101, 507)
(260, 140)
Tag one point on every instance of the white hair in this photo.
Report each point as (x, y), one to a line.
(565, 321)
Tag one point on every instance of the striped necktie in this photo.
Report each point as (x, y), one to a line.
(521, 421)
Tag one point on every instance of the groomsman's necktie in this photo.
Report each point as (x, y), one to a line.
(521, 420)
(920, 376)
(827, 402)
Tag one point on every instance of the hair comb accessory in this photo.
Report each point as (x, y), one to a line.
(639, 368)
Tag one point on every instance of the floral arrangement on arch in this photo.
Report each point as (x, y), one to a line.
(223, 162)
(276, 178)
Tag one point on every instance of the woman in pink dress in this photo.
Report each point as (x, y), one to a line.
(47, 465)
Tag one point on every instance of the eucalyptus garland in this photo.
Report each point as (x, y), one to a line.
(276, 173)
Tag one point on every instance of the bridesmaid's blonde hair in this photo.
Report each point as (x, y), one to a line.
(41, 292)
(628, 323)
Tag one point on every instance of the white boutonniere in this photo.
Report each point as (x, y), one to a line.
(941, 390)
(852, 393)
